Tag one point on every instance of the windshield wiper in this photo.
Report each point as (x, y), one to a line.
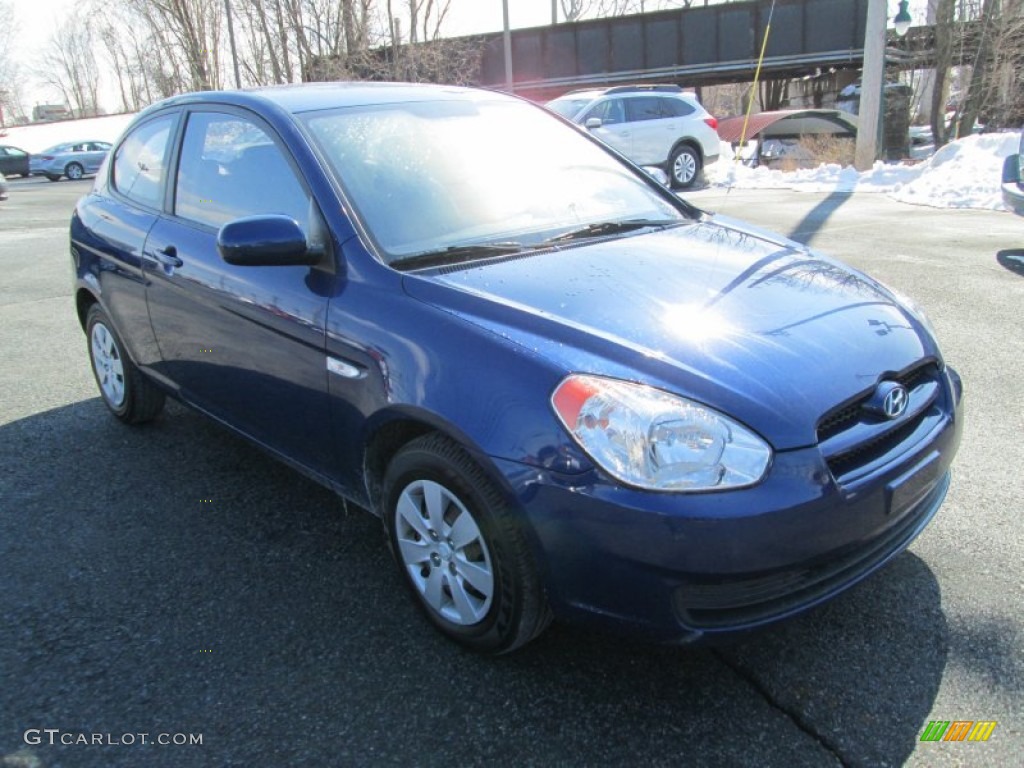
(457, 253)
(602, 228)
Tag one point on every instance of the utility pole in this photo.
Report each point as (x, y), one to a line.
(554, 11)
(508, 48)
(872, 76)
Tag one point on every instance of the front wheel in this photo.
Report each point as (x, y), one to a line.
(461, 551)
(684, 166)
(74, 171)
(125, 391)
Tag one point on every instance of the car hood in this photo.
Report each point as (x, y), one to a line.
(751, 324)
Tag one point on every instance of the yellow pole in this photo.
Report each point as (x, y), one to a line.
(757, 77)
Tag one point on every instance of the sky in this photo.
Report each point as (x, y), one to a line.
(37, 20)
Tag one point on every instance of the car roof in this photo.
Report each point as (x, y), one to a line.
(308, 97)
(640, 91)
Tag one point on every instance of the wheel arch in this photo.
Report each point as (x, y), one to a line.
(84, 299)
(388, 432)
(687, 141)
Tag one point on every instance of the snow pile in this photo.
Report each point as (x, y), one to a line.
(36, 137)
(963, 174)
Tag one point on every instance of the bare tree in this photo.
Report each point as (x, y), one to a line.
(282, 38)
(189, 33)
(69, 66)
(945, 13)
(126, 42)
(10, 95)
(573, 10)
(993, 91)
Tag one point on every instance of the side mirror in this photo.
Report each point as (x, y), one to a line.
(265, 241)
(592, 123)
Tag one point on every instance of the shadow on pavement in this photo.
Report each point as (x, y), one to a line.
(809, 226)
(1012, 259)
(173, 579)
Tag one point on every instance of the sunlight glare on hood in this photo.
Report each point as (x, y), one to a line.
(696, 323)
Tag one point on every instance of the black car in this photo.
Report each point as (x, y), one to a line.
(1013, 180)
(13, 161)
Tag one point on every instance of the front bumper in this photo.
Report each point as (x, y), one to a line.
(680, 567)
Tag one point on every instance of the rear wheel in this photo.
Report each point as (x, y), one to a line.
(51, 177)
(461, 551)
(74, 171)
(684, 166)
(127, 394)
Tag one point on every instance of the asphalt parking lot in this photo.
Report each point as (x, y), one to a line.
(173, 580)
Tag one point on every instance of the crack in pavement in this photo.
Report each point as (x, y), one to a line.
(794, 715)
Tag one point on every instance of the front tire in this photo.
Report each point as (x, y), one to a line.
(74, 171)
(684, 166)
(128, 395)
(460, 548)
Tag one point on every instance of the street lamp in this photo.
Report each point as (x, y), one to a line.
(902, 19)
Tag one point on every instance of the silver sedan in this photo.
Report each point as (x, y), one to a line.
(73, 159)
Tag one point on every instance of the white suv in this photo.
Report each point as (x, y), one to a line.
(658, 125)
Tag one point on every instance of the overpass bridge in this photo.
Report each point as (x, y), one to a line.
(690, 46)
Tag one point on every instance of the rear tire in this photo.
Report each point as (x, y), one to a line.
(684, 166)
(74, 171)
(460, 548)
(125, 391)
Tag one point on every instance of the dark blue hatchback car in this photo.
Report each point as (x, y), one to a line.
(565, 391)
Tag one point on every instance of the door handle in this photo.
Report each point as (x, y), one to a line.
(168, 256)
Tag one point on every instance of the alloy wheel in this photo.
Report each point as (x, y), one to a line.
(684, 168)
(442, 548)
(106, 362)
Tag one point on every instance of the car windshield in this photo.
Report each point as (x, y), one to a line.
(568, 108)
(443, 176)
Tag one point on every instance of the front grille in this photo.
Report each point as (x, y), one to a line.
(844, 416)
(854, 440)
(869, 451)
(755, 599)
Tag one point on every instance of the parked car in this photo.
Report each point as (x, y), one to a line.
(657, 125)
(564, 390)
(3, 187)
(1013, 179)
(73, 159)
(13, 161)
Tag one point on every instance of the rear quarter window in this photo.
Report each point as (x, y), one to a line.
(676, 108)
(140, 162)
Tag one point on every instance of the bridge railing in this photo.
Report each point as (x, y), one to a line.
(705, 44)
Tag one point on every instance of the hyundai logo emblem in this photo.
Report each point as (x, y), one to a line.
(889, 400)
(895, 402)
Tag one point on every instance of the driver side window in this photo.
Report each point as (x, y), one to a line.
(610, 112)
(230, 168)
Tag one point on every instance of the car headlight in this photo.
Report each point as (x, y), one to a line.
(651, 439)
